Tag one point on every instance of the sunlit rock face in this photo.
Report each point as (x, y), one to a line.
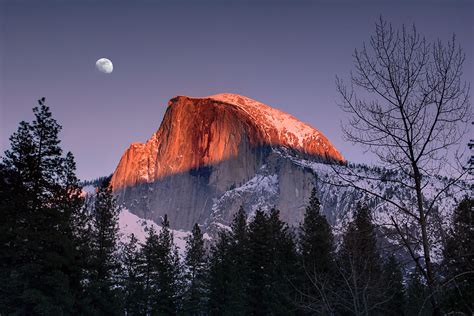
(207, 147)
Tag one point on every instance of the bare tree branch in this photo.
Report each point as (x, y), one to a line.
(417, 112)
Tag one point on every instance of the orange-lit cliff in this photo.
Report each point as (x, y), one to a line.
(198, 132)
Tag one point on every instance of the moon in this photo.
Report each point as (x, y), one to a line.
(104, 65)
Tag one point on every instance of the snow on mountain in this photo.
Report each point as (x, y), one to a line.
(289, 130)
(88, 190)
(262, 186)
(131, 224)
(338, 202)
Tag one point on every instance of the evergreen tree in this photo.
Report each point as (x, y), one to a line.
(360, 266)
(220, 278)
(196, 274)
(284, 262)
(37, 247)
(10, 284)
(271, 262)
(16, 211)
(259, 260)
(394, 293)
(78, 231)
(104, 261)
(149, 271)
(168, 267)
(132, 278)
(459, 260)
(316, 247)
(417, 296)
(239, 266)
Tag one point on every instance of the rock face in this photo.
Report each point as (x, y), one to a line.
(207, 147)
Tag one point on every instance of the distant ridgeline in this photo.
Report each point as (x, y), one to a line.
(95, 182)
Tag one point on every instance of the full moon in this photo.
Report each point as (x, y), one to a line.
(104, 65)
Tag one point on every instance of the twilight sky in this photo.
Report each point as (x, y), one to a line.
(283, 53)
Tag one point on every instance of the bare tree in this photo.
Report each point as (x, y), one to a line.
(408, 105)
(470, 163)
(357, 293)
(321, 299)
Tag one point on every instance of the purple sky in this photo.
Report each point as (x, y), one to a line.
(283, 54)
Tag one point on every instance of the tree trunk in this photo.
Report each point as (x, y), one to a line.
(425, 242)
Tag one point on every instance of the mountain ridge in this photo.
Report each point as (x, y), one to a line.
(196, 132)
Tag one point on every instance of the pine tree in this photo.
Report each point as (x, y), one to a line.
(168, 267)
(284, 262)
(15, 206)
(459, 260)
(317, 262)
(259, 261)
(394, 293)
(272, 261)
(104, 261)
(37, 247)
(196, 274)
(78, 231)
(9, 285)
(417, 296)
(132, 278)
(149, 271)
(220, 278)
(360, 265)
(239, 266)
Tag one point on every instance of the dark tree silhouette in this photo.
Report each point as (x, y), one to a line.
(195, 297)
(104, 261)
(39, 204)
(360, 267)
(168, 267)
(394, 290)
(239, 263)
(317, 261)
(132, 276)
(459, 260)
(417, 296)
(220, 277)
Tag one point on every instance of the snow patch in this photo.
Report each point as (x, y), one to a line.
(88, 190)
(288, 127)
(132, 224)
